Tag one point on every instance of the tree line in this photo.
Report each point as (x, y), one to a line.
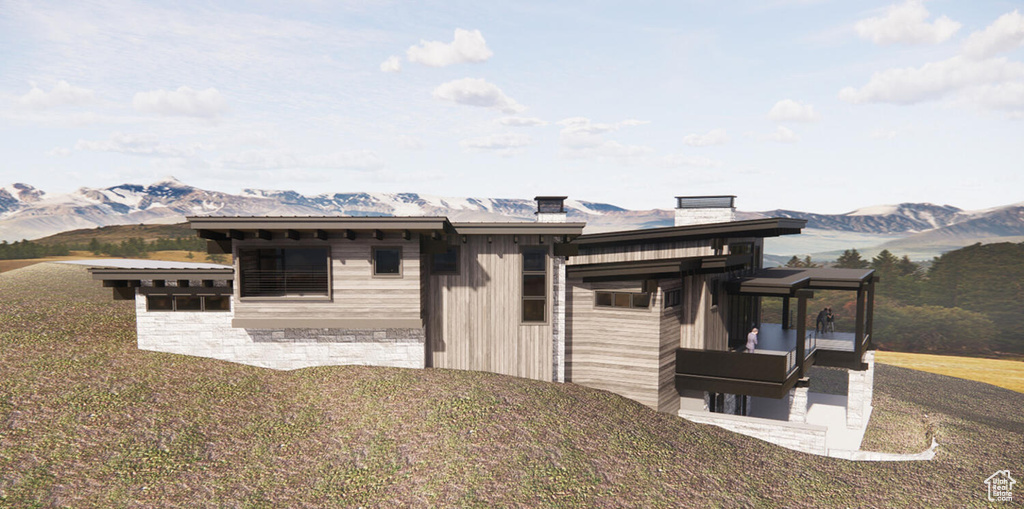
(134, 247)
(968, 302)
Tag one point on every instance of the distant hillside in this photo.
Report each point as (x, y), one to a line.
(118, 233)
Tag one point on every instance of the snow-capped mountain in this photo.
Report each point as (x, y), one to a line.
(27, 212)
(902, 218)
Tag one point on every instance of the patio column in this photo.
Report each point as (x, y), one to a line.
(785, 313)
(801, 328)
(858, 347)
(871, 310)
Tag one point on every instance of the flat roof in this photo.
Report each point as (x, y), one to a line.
(785, 280)
(519, 228)
(136, 274)
(417, 223)
(654, 269)
(770, 227)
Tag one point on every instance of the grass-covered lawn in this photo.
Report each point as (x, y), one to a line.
(86, 420)
(1008, 374)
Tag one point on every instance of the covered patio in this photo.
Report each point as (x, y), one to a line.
(781, 358)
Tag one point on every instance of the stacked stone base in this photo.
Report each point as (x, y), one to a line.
(210, 334)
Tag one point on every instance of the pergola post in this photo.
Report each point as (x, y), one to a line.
(785, 313)
(871, 310)
(858, 346)
(801, 329)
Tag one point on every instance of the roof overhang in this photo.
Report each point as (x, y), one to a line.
(123, 274)
(771, 227)
(784, 281)
(655, 269)
(519, 228)
(228, 227)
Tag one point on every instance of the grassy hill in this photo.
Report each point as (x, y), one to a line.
(117, 233)
(86, 419)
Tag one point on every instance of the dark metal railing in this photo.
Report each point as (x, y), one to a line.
(273, 283)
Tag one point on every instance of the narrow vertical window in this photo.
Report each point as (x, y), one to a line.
(535, 264)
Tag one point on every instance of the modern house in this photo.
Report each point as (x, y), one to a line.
(657, 315)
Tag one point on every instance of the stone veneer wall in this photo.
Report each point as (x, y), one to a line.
(210, 334)
(791, 435)
(686, 217)
(861, 392)
(558, 310)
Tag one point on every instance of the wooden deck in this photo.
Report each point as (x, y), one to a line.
(773, 338)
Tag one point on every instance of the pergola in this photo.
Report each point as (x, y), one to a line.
(789, 283)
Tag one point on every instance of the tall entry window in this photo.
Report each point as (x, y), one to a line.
(283, 271)
(535, 275)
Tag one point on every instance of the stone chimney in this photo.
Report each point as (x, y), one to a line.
(550, 209)
(705, 209)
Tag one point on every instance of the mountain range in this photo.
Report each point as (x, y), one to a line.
(921, 229)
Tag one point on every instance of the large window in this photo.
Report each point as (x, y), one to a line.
(622, 300)
(283, 271)
(535, 275)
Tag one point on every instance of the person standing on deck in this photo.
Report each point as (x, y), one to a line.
(819, 324)
(752, 340)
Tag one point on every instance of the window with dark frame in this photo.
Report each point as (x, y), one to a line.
(445, 263)
(283, 271)
(630, 300)
(387, 261)
(212, 303)
(535, 264)
(673, 298)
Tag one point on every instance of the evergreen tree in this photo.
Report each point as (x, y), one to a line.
(885, 262)
(850, 259)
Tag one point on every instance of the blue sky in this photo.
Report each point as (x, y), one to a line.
(823, 106)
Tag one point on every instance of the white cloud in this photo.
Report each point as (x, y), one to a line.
(138, 144)
(468, 46)
(522, 121)
(207, 103)
(503, 144)
(783, 134)
(411, 142)
(60, 152)
(932, 80)
(62, 94)
(283, 159)
(477, 92)
(906, 24)
(788, 110)
(1005, 34)
(712, 137)
(392, 64)
(679, 161)
(582, 138)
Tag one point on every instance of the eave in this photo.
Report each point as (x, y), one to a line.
(771, 227)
